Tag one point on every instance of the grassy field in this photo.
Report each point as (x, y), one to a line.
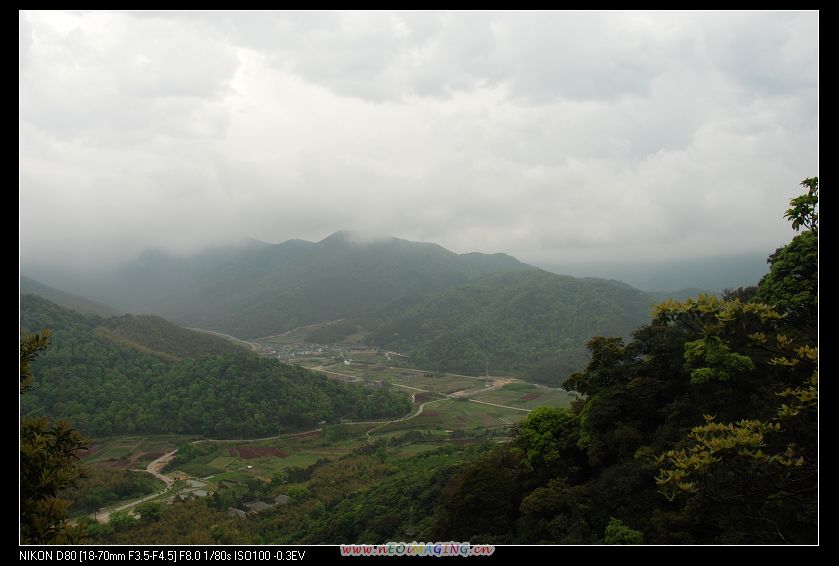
(454, 414)
(526, 396)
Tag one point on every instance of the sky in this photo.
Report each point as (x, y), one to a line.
(558, 137)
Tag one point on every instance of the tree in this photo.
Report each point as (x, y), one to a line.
(802, 210)
(791, 286)
(758, 478)
(753, 474)
(48, 463)
(610, 364)
(150, 511)
(541, 434)
(618, 533)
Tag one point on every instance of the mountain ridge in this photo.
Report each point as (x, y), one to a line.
(449, 311)
(258, 290)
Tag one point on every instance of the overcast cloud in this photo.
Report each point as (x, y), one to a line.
(550, 136)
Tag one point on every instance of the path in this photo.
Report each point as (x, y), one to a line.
(251, 345)
(242, 440)
(502, 406)
(104, 515)
(405, 418)
(154, 468)
(295, 329)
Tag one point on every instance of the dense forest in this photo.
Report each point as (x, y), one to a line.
(110, 388)
(101, 486)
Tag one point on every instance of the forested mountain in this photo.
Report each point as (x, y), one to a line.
(259, 289)
(66, 300)
(107, 387)
(448, 311)
(530, 322)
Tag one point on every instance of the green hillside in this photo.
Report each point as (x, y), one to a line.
(454, 312)
(66, 300)
(529, 322)
(159, 337)
(260, 289)
(109, 388)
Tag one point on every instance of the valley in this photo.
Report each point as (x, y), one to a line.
(446, 410)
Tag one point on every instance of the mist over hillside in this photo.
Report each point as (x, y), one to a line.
(711, 273)
(467, 313)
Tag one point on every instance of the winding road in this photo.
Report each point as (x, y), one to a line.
(155, 467)
(405, 418)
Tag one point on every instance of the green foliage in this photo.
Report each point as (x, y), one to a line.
(609, 364)
(30, 347)
(122, 521)
(802, 210)
(791, 286)
(618, 533)
(102, 486)
(48, 466)
(150, 511)
(298, 493)
(760, 474)
(110, 389)
(48, 463)
(540, 434)
(710, 359)
(756, 475)
(714, 444)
